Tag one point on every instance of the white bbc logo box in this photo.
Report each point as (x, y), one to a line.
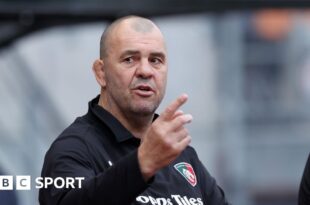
(22, 182)
(6, 182)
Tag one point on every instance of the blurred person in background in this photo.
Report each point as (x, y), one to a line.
(304, 189)
(126, 152)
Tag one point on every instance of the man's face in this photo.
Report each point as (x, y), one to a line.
(135, 70)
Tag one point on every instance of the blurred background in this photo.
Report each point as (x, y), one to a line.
(244, 64)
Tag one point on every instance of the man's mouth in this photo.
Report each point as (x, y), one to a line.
(144, 90)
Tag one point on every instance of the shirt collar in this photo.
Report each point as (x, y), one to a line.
(120, 132)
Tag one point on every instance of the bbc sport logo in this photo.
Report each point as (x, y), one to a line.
(23, 182)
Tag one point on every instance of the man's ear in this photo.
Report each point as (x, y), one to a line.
(99, 72)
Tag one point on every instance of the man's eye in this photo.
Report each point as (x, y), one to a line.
(155, 60)
(128, 60)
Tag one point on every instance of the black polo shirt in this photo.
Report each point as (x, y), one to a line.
(98, 147)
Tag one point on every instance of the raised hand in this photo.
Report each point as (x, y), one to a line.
(165, 139)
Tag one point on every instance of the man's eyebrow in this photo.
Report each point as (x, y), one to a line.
(159, 54)
(129, 52)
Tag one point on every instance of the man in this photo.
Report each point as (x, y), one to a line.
(128, 154)
(304, 189)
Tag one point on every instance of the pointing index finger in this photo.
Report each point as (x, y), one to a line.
(174, 106)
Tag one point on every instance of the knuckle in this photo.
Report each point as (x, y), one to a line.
(158, 129)
(189, 139)
(168, 109)
(182, 119)
(161, 131)
(175, 147)
(167, 143)
(185, 132)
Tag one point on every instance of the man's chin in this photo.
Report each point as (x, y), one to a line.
(144, 109)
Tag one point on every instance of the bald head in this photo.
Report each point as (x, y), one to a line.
(136, 23)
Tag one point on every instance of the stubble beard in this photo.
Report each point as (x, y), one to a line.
(144, 109)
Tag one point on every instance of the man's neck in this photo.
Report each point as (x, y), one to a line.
(136, 124)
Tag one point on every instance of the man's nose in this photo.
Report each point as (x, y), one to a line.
(145, 70)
